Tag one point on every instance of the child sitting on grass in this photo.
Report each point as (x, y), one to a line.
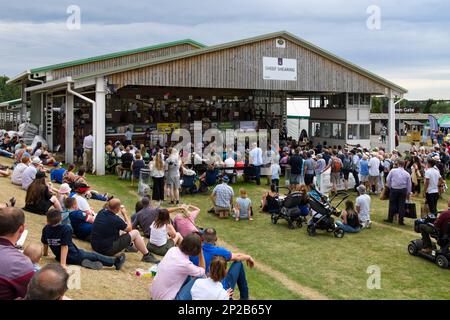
(58, 237)
(34, 252)
(80, 222)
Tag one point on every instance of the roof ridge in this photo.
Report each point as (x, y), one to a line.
(117, 54)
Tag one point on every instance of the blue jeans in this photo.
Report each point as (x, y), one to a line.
(6, 153)
(92, 256)
(98, 196)
(235, 275)
(347, 228)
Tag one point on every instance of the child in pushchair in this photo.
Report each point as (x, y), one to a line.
(322, 211)
(293, 208)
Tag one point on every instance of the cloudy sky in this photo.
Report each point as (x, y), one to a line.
(412, 47)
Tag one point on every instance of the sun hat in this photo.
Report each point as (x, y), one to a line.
(64, 188)
(361, 189)
(36, 160)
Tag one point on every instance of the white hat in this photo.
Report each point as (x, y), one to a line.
(64, 188)
(36, 160)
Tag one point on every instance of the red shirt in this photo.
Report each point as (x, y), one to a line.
(442, 221)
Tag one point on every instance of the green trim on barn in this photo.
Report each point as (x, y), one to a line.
(117, 54)
(298, 117)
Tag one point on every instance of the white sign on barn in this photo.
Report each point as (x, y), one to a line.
(279, 69)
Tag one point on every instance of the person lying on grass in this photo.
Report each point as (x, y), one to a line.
(111, 234)
(58, 237)
(80, 222)
(236, 272)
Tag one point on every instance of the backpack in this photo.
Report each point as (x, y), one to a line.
(336, 165)
(347, 163)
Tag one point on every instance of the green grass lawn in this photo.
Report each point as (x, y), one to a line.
(333, 267)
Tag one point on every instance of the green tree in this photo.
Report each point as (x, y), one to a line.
(427, 108)
(377, 105)
(8, 91)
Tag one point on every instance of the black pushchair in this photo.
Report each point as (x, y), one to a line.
(289, 209)
(323, 211)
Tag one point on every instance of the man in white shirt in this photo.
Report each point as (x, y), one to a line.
(432, 180)
(128, 137)
(88, 145)
(363, 206)
(229, 163)
(374, 172)
(256, 161)
(29, 174)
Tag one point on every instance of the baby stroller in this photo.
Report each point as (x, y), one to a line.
(289, 209)
(322, 212)
(441, 255)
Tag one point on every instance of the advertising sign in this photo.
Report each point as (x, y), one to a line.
(279, 69)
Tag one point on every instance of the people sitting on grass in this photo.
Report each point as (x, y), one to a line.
(222, 197)
(173, 278)
(350, 220)
(363, 207)
(43, 154)
(59, 238)
(17, 174)
(184, 221)
(80, 222)
(243, 206)
(163, 235)
(50, 283)
(111, 234)
(236, 272)
(39, 198)
(63, 193)
(57, 174)
(269, 202)
(29, 173)
(16, 269)
(208, 178)
(81, 190)
(80, 178)
(211, 288)
(69, 175)
(34, 252)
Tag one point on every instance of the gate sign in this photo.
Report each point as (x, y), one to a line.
(279, 69)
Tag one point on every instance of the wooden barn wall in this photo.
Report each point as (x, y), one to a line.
(242, 68)
(120, 61)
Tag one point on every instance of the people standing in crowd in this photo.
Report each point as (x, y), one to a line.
(416, 176)
(128, 137)
(364, 171)
(157, 173)
(335, 164)
(256, 161)
(431, 185)
(319, 168)
(173, 166)
(275, 171)
(374, 172)
(16, 269)
(88, 145)
(296, 164)
(309, 168)
(111, 234)
(400, 186)
(356, 167)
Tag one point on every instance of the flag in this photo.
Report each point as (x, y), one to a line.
(434, 126)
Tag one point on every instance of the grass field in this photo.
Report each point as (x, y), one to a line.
(290, 264)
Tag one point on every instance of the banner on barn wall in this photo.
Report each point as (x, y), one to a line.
(279, 69)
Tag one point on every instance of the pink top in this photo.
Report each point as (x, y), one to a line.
(173, 270)
(184, 225)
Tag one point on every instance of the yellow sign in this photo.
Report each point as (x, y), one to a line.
(167, 127)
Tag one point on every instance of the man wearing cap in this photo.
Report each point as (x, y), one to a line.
(83, 205)
(222, 197)
(363, 206)
(29, 174)
(399, 183)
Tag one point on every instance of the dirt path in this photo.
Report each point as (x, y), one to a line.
(291, 285)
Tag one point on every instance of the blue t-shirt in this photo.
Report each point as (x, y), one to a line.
(105, 230)
(81, 228)
(57, 175)
(209, 251)
(57, 236)
(364, 167)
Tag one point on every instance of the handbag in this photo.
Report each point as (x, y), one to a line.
(410, 210)
(385, 193)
